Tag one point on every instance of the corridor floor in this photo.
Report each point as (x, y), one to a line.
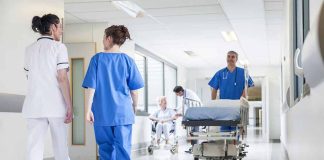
(258, 150)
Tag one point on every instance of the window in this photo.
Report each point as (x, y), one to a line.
(160, 78)
(140, 62)
(78, 122)
(300, 31)
(154, 83)
(170, 76)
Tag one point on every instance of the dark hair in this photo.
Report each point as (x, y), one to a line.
(178, 89)
(119, 34)
(42, 24)
(233, 52)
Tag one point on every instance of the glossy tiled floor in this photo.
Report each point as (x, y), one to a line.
(258, 150)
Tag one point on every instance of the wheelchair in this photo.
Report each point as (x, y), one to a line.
(153, 146)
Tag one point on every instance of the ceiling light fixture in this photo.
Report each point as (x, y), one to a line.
(130, 8)
(229, 36)
(190, 53)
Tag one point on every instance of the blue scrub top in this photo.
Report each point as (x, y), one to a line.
(113, 76)
(230, 84)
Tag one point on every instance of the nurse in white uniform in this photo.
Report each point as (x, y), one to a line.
(164, 117)
(48, 102)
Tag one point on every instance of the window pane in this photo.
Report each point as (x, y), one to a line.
(140, 62)
(78, 123)
(301, 28)
(170, 75)
(154, 83)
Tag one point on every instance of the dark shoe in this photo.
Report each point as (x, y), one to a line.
(189, 151)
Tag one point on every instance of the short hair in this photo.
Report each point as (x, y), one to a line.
(233, 52)
(162, 98)
(178, 89)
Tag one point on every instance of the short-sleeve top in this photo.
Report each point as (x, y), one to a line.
(230, 84)
(42, 60)
(113, 76)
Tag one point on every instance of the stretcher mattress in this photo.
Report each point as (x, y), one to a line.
(213, 113)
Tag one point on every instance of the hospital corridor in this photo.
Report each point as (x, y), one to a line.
(161, 79)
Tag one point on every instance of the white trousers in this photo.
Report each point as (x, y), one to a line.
(37, 128)
(165, 127)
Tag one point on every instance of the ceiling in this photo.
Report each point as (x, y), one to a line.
(175, 26)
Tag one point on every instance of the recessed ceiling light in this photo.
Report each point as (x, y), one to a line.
(130, 8)
(229, 36)
(190, 53)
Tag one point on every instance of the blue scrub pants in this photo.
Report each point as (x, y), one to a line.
(114, 142)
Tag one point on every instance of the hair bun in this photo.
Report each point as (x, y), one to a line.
(125, 31)
(42, 24)
(123, 28)
(36, 23)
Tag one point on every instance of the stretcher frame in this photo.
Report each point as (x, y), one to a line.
(207, 136)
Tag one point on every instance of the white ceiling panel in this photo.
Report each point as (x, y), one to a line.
(274, 14)
(149, 4)
(69, 18)
(194, 25)
(273, 5)
(183, 11)
(193, 19)
(105, 16)
(96, 6)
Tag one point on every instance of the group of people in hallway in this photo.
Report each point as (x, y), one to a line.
(112, 81)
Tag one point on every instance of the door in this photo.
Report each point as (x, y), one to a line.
(81, 139)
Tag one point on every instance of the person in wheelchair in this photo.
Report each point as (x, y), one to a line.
(163, 120)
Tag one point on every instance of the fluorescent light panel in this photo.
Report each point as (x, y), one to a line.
(229, 36)
(130, 8)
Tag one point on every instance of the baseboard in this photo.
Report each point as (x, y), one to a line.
(274, 141)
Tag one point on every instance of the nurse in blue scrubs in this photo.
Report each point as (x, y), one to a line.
(230, 82)
(111, 81)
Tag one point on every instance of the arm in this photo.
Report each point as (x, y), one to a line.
(153, 118)
(134, 95)
(214, 83)
(173, 116)
(179, 111)
(214, 94)
(170, 119)
(243, 94)
(250, 84)
(90, 117)
(64, 85)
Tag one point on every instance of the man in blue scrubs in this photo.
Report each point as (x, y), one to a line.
(230, 82)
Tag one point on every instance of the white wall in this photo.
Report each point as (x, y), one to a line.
(16, 34)
(272, 74)
(301, 124)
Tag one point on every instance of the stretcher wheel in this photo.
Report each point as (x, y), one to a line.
(174, 149)
(150, 149)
